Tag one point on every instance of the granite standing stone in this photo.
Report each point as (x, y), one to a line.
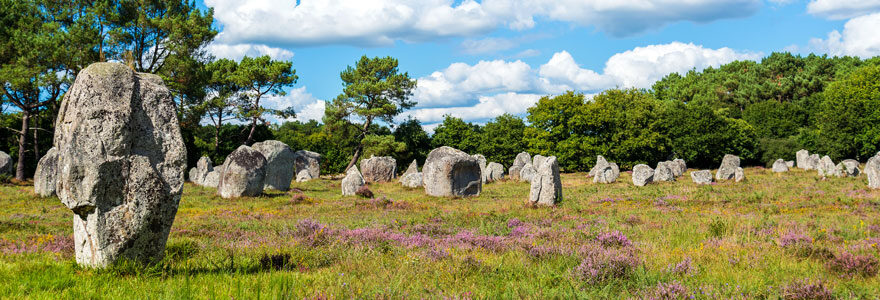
(496, 172)
(664, 172)
(546, 186)
(412, 180)
(779, 166)
(352, 182)
(244, 175)
(482, 162)
(682, 167)
(803, 159)
(451, 172)
(849, 168)
(46, 174)
(739, 175)
(600, 166)
(307, 160)
(826, 167)
(872, 171)
(379, 168)
(5, 163)
(642, 175)
(528, 172)
(608, 174)
(728, 167)
(702, 177)
(279, 164)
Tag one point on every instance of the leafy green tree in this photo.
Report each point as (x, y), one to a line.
(554, 130)
(849, 117)
(701, 136)
(622, 126)
(257, 78)
(503, 139)
(372, 90)
(456, 133)
(417, 141)
(223, 96)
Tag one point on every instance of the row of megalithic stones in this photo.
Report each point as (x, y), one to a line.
(119, 160)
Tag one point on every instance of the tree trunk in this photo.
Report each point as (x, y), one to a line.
(360, 147)
(22, 143)
(36, 144)
(250, 137)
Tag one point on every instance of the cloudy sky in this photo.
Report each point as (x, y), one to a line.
(479, 59)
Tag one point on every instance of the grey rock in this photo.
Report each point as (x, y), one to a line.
(412, 169)
(193, 175)
(379, 169)
(789, 164)
(411, 180)
(739, 175)
(681, 167)
(121, 162)
(307, 160)
(872, 171)
(495, 172)
(813, 162)
(352, 182)
(779, 166)
(528, 172)
(642, 175)
(546, 186)
(702, 177)
(451, 172)
(600, 166)
(279, 165)
(244, 174)
(538, 160)
(728, 167)
(203, 167)
(46, 174)
(303, 176)
(803, 159)
(522, 159)
(608, 174)
(481, 160)
(513, 172)
(212, 179)
(664, 172)
(849, 168)
(5, 163)
(826, 167)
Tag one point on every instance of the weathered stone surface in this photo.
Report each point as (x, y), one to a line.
(193, 175)
(849, 168)
(739, 175)
(702, 177)
(600, 166)
(642, 175)
(728, 167)
(826, 167)
(522, 159)
(608, 174)
(5, 163)
(121, 162)
(203, 167)
(513, 172)
(352, 182)
(279, 164)
(303, 176)
(307, 160)
(546, 186)
(412, 180)
(481, 160)
(538, 160)
(664, 172)
(212, 179)
(872, 171)
(779, 166)
(495, 172)
(412, 169)
(803, 159)
(379, 169)
(813, 161)
(528, 172)
(244, 174)
(789, 164)
(451, 172)
(46, 174)
(681, 167)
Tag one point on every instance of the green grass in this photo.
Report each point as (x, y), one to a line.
(730, 232)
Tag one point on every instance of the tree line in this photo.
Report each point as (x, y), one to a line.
(760, 111)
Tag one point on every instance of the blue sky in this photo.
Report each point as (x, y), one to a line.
(479, 59)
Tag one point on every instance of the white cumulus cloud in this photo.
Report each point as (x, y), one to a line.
(460, 82)
(842, 9)
(237, 51)
(859, 38)
(306, 106)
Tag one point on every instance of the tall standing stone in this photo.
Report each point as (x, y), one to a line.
(538, 161)
(664, 172)
(244, 174)
(826, 167)
(728, 167)
(848, 168)
(309, 161)
(121, 161)
(642, 175)
(451, 172)
(46, 174)
(5, 163)
(279, 164)
(779, 166)
(352, 182)
(681, 167)
(872, 171)
(379, 169)
(702, 177)
(803, 159)
(546, 186)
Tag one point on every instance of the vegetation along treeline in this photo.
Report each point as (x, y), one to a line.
(760, 111)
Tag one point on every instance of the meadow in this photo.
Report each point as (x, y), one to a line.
(791, 235)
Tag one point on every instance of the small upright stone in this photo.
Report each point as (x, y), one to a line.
(412, 180)
(728, 167)
(279, 164)
(451, 172)
(872, 171)
(546, 186)
(528, 172)
(826, 167)
(608, 174)
(682, 167)
(307, 160)
(642, 175)
(412, 169)
(203, 167)
(849, 168)
(803, 159)
(813, 161)
(664, 172)
(779, 166)
(303, 176)
(244, 175)
(46, 174)
(600, 166)
(213, 178)
(5, 163)
(379, 169)
(352, 182)
(513, 172)
(495, 172)
(739, 175)
(702, 177)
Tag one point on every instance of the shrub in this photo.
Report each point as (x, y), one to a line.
(602, 264)
(673, 290)
(613, 239)
(849, 265)
(364, 191)
(806, 290)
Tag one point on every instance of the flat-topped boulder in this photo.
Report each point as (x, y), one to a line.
(46, 174)
(379, 168)
(848, 168)
(642, 175)
(244, 174)
(727, 170)
(309, 161)
(702, 177)
(451, 172)
(121, 164)
(779, 166)
(352, 182)
(279, 164)
(546, 186)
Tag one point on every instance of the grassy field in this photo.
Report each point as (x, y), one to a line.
(772, 236)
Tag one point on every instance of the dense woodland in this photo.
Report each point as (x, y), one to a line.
(760, 111)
